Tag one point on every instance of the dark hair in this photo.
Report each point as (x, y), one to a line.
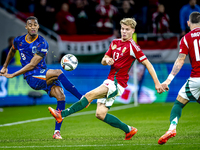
(31, 17)
(11, 38)
(195, 17)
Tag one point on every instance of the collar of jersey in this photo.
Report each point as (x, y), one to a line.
(195, 28)
(28, 41)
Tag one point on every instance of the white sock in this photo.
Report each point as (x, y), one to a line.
(129, 128)
(56, 131)
(172, 126)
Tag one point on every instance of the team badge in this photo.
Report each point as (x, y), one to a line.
(114, 47)
(124, 49)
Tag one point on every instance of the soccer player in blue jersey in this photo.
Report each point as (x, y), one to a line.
(33, 49)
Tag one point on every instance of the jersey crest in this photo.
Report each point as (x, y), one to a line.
(114, 47)
(124, 49)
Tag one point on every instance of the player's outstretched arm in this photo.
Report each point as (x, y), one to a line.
(10, 55)
(175, 70)
(34, 61)
(153, 74)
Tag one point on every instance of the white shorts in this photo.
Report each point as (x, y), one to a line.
(112, 92)
(191, 89)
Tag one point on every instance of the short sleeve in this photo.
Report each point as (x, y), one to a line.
(42, 48)
(15, 43)
(136, 52)
(184, 46)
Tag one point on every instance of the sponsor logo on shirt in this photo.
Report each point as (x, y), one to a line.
(44, 50)
(119, 48)
(42, 71)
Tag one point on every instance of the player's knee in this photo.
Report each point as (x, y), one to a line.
(182, 100)
(60, 97)
(52, 75)
(89, 96)
(100, 114)
(58, 93)
(49, 73)
(58, 72)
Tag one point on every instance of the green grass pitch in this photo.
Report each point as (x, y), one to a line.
(85, 131)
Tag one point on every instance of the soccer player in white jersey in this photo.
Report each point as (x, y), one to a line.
(189, 45)
(120, 56)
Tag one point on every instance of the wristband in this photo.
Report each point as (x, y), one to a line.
(171, 77)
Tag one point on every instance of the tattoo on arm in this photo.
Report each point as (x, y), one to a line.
(181, 56)
(178, 64)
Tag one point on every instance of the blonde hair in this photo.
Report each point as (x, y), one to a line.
(129, 22)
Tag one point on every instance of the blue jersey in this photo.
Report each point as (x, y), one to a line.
(28, 49)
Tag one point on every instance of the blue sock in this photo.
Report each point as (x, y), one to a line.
(69, 86)
(60, 106)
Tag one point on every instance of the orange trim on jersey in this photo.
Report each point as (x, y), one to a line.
(13, 47)
(28, 41)
(40, 78)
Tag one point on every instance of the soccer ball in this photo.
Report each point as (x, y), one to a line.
(69, 62)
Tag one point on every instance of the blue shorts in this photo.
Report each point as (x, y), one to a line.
(37, 81)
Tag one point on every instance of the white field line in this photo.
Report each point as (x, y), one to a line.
(112, 145)
(75, 114)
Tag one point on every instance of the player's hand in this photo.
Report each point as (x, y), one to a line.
(7, 75)
(165, 84)
(109, 61)
(3, 71)
(159, 88)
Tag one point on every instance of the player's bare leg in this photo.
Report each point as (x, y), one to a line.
(52, 75)
(57, 74)
(99, 92)
(58, 93)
